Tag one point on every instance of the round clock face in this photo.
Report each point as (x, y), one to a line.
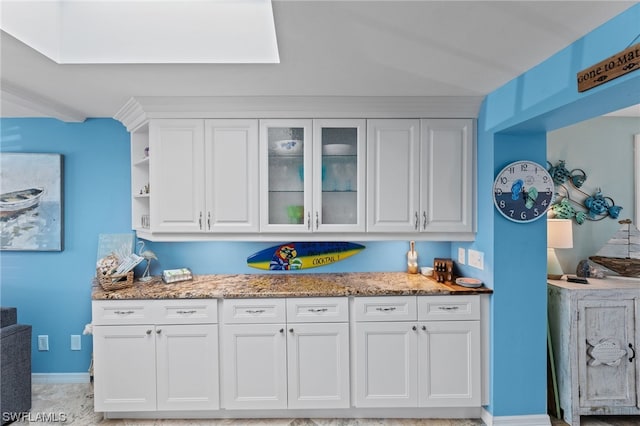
(523, 191)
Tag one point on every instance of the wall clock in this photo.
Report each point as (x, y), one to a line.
(523, 191)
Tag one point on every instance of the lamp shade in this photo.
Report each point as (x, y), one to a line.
(559, 233)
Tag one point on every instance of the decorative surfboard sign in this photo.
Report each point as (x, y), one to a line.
(300, 255)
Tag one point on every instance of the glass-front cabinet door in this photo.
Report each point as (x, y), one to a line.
(285, 175)
(338, 175)
(312, 182)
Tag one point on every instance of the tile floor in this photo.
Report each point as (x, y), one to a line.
(75, 402)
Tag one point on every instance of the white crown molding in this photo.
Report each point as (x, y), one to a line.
(140, 109)
(37, 104)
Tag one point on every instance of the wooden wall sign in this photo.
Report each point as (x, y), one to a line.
(617, 65)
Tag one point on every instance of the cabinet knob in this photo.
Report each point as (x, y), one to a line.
(424, 327)
(148, 332)
(291, 330)
(282, 330)
(158, 331)
(414, 328)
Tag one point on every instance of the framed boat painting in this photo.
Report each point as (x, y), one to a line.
(31, 198)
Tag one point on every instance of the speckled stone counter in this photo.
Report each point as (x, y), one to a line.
(287, 285)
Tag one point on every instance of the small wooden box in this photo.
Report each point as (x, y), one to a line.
(443, 270)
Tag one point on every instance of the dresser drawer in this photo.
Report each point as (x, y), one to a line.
(247, 311)
(318, 309)
(186, 311)
(117, 312)
(445, 308)
(385, 308)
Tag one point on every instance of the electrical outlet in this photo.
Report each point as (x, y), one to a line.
(476, 259)
(76, 343)
(43, 342)
(461, 255)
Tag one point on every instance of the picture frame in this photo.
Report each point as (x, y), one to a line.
(31, 202)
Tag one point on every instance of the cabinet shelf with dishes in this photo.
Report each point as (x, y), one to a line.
(309, 167)
(140, 203)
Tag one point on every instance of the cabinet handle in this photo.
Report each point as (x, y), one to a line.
(317, 310)
(123, 312)
(309, 220)
(193, 311)
(633, 352)
(448, 308)
(317, 221)
(158, 331)
(200, 221)
(209, 221)
(148, 332)
(416, 222)
(255, 311)
(387, 309)
(424, 220)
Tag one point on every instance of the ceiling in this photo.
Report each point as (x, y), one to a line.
(326, 48)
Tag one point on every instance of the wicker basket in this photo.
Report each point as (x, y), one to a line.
(115, 282)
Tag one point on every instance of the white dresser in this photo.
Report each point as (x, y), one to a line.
(595, 330)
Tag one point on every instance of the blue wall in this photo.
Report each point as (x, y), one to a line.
(512, 126)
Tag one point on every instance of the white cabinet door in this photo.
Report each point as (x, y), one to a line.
(605, 331)
(318, 365)
(386, 364)
(447, 175)
(286, 171)
(254, 359)
(339, 175)
(176, 170)
(187, 367)
(392, 175)
(124, 368)
(231, 175)
(449, 368)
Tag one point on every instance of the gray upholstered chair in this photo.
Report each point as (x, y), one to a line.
(15, 363)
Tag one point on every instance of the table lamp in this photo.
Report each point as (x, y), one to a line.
(559, 236)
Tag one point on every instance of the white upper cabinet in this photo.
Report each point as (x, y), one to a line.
(204, 175)
(420, 175)
(312, 175)
(285, 175)
(447, 175)
(392, 175)
(231, 175)
(339, 175)
(176, 169)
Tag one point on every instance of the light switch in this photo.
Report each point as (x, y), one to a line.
(476, 259)
(461, 255)
(43, 342)
(76, 343)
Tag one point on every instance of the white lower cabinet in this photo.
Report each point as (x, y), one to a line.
(270, 363)
(273, 355)
(404, 358)
(142, 362)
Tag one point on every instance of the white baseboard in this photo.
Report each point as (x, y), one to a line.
(530, 420)
(40, 378)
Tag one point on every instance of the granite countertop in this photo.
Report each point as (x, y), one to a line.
(287, 285)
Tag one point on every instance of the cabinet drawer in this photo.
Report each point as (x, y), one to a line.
(435, 308)
(387, 308)
(115, 312)
(318, 309)
(191, 311)
(246, 311)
